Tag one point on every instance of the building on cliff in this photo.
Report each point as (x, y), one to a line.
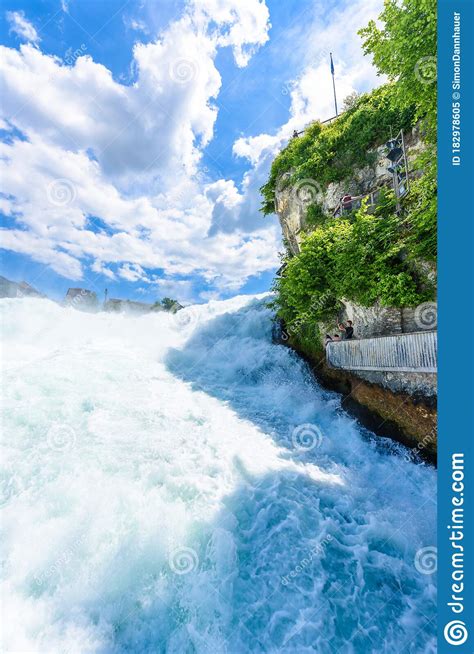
(81, 299)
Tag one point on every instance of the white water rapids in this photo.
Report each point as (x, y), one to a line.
(180, 484)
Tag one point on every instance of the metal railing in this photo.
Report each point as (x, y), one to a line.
(323, 122)
(416, 352)
(349, 203)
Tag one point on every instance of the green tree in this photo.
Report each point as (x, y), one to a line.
(404, 49)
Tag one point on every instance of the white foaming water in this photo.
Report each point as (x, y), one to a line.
(179, 483)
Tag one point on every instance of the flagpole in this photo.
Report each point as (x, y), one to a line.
(333, 83)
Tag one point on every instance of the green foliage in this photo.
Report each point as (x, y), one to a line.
(168, 304)
(329, 153)
(315, 215)
(420, 209)
(362, 258)
(367, 257)
(404, 49)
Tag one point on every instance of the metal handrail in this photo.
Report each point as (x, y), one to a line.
(342, 206)
(413, 352)
(323, 122)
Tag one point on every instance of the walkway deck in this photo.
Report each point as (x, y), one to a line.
(416, 352)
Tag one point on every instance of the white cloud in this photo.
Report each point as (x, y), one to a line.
(136, 24)
(244, 24)
(22, 27)
(133, 273)
(109, 174)
(99, 268)
(311, 98)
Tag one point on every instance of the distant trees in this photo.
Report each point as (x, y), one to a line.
(167, 304)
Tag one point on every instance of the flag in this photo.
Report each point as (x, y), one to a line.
(332, 64)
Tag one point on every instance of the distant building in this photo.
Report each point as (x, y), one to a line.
(129, 306)
(81, 299)
(17, 289)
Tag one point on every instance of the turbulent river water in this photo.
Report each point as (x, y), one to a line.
(180, 484)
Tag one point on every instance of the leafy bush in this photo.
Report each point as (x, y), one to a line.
(367, 257)
(362, 257)
(329, 153)
(404, 49)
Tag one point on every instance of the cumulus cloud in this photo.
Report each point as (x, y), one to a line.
(22, 27)
(108, 174)
(311, 98)
(244, 25)
(108, 177)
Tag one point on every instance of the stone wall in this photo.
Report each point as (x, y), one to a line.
(376, 320)
(385, 321)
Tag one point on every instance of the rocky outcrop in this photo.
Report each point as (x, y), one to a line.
(398, 404)
(81, 299)
(292, 200)
(402, 406)
(377, 320)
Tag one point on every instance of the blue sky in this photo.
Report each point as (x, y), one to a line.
(135, 136)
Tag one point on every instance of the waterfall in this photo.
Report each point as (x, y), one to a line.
(180, 484)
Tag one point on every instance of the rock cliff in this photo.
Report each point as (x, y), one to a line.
(399, 404)
(292, 200)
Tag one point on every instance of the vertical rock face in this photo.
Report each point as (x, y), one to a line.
(291, 214)
(401, 405)
(292, 200)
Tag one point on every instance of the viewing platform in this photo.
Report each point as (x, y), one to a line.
(413, 352)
